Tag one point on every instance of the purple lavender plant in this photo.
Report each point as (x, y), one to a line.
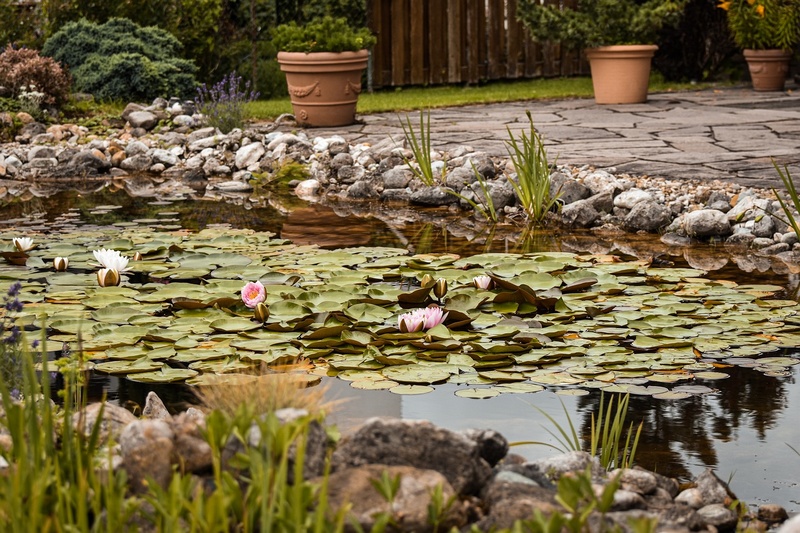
(223, 103)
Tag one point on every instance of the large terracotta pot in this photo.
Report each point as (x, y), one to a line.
(768, 68)
(324, 86)
(621, 73)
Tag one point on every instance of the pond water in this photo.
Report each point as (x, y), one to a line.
(743, 430)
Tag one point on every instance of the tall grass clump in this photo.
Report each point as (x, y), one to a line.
(788, 182)
(532, 185)
(266, 391)
(223, 103)
(421, 149)
(606, 435)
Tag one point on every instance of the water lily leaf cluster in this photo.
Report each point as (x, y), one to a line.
(562, 321)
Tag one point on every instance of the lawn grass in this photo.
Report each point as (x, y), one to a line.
(411, 98)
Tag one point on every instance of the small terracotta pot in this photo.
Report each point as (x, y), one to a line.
(621, 73)
(324, 86)
(768, 68)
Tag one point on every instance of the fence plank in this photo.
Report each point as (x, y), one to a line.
(417, 42)
(430, 42)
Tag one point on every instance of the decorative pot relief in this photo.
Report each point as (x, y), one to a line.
(302, 92)
(354, 88)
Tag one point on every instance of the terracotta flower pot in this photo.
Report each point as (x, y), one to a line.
(768, 68)
(324, 86)
(621, 73)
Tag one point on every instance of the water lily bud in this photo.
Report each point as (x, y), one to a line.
(136, 256)
(108, 277)
(261, 312)
(426, 281)
(60, 264)
(440, 288)
(482, 282)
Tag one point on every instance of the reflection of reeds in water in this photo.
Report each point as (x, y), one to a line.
(267, 390)
(534, 239)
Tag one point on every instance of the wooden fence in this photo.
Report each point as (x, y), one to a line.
(431, 42)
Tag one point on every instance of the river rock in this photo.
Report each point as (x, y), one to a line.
(143, 119)
(628, 199)
(164, 157)
(397, 178)
(137, 163)
(249, 154)
(706, 223)
(647, 215)
(154, 408)
(580, 213)
(719, 516)
(41, 152)
(433, 196)
(114, 420)
(146, 447)
(409, 508)
(492, 446)
(568, 189)
(416, 443)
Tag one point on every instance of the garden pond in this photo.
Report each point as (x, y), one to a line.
(703, 338)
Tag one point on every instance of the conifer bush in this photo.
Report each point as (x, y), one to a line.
(120, 60)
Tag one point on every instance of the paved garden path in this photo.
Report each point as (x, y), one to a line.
(730, 134)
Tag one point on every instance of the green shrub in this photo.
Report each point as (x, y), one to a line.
(119, 60)
(326, 34)
(26, 68)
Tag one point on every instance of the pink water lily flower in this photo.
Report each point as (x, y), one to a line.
(433, 316)
(253, 293)
(482, 282)
(419, 319)
(411, 322)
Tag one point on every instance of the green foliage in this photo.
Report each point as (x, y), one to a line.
(605, 438)
(532, 184)
(483, 203)
(119, 60)
(22, 68)
(607, 433)
(764, 24)
(788, 182)
(577, 496)
(421, 149)
(326, 34)
(596, 23)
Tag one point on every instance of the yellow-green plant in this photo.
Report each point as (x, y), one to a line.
(532, 185)
(788, 182)
(421, 149)
(763, 24)
(484, 204)
(607, 430)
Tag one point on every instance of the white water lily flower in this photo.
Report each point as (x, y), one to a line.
(111, 259)
(23, 244)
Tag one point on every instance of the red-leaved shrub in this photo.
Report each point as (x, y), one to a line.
(24, 67)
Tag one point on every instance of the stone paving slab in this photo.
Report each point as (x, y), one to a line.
(729, 134)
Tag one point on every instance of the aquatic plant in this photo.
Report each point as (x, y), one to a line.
(60, 264)
(23, 244)
(481, 203)
(419, 319)
(421, 148)
(111, 260)
(788, 182)
(223, 104)
(253, 293)
(607, 429)
(482, 282)
(600, 316)
(532, 183)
